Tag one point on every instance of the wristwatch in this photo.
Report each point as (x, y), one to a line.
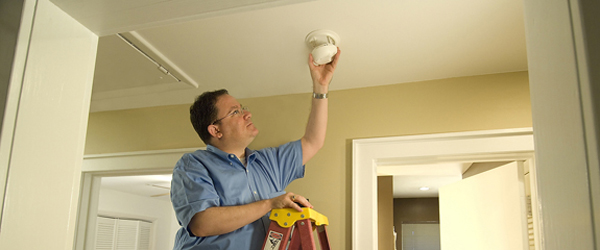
(319, 96)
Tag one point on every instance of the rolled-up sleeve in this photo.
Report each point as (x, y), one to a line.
(192, 190)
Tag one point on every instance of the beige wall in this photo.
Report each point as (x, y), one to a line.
(449, 105)
(385, 212)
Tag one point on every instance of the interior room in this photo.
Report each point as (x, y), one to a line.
(112, 81)
(484, 88)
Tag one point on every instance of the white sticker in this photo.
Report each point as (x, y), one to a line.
(274, 240)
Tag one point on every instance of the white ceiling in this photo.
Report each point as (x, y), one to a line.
(408, 179)
(255, 48)
(153, 186)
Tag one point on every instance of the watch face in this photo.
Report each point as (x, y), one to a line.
(319, 96)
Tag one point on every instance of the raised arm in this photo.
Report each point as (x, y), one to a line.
(314, 136)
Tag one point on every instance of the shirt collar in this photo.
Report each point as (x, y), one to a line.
(249, 153)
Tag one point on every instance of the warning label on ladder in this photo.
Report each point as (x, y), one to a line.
(274, 240)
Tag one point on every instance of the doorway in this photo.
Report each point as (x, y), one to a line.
(96, 167)
(480, 146)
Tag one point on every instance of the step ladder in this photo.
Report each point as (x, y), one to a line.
(291, 230)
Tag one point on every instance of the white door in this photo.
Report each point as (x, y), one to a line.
(485, 211)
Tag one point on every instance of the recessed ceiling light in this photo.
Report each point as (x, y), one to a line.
(424, 188)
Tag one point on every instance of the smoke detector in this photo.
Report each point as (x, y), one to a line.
(323, 44)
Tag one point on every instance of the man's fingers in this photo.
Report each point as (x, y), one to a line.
(295, 206)
(291, 200)
(297, 199)
(336, 57)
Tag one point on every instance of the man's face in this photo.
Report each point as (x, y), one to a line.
(234, 124)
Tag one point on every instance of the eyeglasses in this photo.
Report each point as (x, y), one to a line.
(236, 112)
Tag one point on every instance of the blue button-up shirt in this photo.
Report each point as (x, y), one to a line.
(211, 177)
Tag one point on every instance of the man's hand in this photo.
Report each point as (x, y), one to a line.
(289, 200)
(322, 74)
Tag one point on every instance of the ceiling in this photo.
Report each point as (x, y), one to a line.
(153, 186)
(408, 180)
(256, 48)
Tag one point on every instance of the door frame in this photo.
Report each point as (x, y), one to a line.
(115, 164)
(487, 145)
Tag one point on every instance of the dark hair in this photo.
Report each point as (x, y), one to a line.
(204, 111)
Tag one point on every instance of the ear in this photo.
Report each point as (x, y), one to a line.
(214, 131)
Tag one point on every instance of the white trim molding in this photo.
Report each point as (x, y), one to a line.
(491, 145)
(132, 161)
(96, 166)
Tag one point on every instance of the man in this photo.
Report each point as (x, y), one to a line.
(222, 195)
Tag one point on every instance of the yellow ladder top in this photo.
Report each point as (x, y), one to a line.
(286, 217)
